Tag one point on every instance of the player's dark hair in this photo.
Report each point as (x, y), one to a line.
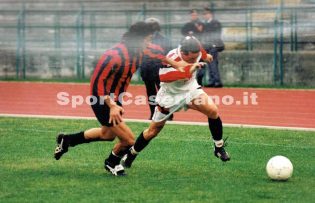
(190, 44)
(154, 23)
(134, 37)
(155, 26)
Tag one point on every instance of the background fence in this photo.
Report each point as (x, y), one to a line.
(46, 40)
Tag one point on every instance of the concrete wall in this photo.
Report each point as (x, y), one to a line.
(242, 67)
(236, 67)
(46, 64)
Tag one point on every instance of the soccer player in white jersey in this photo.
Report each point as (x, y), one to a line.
(180, 89)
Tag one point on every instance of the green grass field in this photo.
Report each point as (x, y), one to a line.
(178, 166)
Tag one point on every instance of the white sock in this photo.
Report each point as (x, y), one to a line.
(218, 143)
(133, 151)
(114, 154)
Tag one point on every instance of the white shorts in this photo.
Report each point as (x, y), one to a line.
(176, 104)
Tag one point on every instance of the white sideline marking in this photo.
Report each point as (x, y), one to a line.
(169, 122)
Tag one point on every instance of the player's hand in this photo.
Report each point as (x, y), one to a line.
(196, 66)
(209, 58)
(115, 115)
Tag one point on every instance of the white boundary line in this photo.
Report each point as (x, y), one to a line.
(169, 122)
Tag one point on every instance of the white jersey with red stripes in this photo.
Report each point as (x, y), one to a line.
(176, 85)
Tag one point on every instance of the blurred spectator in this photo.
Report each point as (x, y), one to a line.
(150, 66)
(213, 44)
(194, 27)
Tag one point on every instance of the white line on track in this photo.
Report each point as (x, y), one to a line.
(169, 122)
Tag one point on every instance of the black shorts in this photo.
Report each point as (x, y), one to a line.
(102, 111)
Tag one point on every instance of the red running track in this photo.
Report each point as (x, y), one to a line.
(286, 108)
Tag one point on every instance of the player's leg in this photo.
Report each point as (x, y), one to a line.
(215, 78)
(142, 141)
(103, 133)
(157, 85)
(144, 138)
(64, 141)
(107, 132)
(200, 75)
(122, 131)
(112, 163)
(126, 140)
(151, 90)
(206, 106)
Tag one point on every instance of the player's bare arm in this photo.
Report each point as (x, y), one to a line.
(209, 58)
(177, 65)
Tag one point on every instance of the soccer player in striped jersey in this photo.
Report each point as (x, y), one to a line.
(176, 87)
(111, 77)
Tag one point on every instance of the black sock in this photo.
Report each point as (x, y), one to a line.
(78, 138)
(215, 126)
(123, 152)
(113, 159)
(141, 143)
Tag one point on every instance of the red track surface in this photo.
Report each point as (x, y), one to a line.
(287, 108)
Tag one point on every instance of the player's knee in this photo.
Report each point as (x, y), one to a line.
(153, 132)
(213, 112)
(108, 138)
(106, 135)
(129, 140)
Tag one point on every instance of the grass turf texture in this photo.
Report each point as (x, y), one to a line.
(178, 166)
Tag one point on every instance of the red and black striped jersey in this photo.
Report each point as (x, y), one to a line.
(154, 51)
(115, 68)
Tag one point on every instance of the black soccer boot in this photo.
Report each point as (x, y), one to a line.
(221, 153)
(116, 170)
(62, 146)
(127, 160)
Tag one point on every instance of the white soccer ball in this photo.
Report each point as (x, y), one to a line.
(279, 168)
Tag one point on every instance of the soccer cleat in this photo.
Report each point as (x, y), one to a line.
(62, 146)
(116, 170)
(127, 160)
(221, 153)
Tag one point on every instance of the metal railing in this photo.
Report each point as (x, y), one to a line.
(87, 30)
